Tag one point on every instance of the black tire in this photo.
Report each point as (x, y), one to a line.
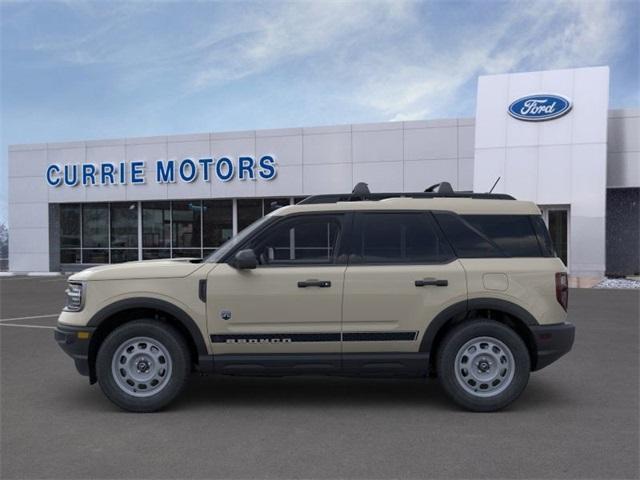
(180, 365)
(483, 400)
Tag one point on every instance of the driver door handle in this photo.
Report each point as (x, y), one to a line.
(314, 283)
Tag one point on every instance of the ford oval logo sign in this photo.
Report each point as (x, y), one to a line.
(536, 108)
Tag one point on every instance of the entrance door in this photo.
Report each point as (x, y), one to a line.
(557, 220)
(292, 301)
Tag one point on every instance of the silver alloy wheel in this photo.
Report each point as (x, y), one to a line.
(484, 366)
(141, 366)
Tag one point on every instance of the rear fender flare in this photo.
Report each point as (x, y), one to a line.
(461, 309)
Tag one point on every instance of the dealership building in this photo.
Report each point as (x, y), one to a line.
(548, 137)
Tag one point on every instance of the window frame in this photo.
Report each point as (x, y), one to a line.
(356, 260)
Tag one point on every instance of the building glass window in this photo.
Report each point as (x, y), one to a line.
(108, 232)
(156, 230)
(119, 255)
(124, 232)
(124, 225)
(70, 234)
(95, 233)
(271, 204)
(95, 255)
(217, 223)
(186, 227)
(249, 210)
(95, 225)
(559, 233)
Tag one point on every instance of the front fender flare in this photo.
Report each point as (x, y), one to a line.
(156, 304)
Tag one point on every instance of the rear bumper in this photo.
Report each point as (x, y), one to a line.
(74, 345)
(552, 342)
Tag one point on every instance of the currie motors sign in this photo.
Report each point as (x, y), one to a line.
(537, 108)
(188, 170)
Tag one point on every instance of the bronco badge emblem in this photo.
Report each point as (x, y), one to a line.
(225, 314)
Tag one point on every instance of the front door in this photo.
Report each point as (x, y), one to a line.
(292, 301)
(402, 273)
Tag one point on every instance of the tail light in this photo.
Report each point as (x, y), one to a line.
(562, 289)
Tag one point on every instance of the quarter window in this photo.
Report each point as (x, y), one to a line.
(513, 234)
(399, 238)
(466, 240)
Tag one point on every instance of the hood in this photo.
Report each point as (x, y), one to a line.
(166, 268)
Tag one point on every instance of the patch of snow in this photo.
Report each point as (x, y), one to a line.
(624, 283)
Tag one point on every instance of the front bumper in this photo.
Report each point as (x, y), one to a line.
(552, 342)
(75, 343)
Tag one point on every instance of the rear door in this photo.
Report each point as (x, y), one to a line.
(401, 274)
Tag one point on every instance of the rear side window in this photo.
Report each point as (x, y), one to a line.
(399, 238)
(482, 236)
(513, 234)
(467, 241)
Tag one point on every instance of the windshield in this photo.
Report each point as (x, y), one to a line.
(232, 242)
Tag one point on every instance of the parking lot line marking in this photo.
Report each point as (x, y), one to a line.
(28, 318)
(24, 326)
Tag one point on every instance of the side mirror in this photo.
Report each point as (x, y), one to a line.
(245, 259)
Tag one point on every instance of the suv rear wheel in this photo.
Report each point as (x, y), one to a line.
(483, 365)
(143, 365)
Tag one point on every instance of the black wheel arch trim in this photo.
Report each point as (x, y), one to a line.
(461, 310)
(155, 304)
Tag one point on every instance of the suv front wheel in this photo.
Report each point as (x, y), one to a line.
(483, 365)
(143, 365)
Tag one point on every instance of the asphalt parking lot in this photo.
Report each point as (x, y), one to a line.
(578, 418)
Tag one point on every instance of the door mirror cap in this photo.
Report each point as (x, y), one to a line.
(245, 260)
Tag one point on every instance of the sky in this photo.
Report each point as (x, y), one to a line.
(75, 70)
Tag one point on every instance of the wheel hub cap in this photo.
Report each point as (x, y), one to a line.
(141, 366)
(484, 366)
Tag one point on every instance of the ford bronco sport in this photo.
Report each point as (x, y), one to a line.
(458, 285)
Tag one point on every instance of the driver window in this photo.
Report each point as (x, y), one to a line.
(300, 241)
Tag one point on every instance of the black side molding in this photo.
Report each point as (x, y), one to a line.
(389, 364)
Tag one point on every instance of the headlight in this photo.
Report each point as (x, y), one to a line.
(75, 297)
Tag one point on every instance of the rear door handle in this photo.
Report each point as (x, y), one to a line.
(314, 283)
(431, 282)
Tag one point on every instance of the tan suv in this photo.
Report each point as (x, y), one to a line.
(460, 285)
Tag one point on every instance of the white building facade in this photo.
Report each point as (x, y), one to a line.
(549, 137)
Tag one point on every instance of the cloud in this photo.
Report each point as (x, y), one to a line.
(533, 36)
(295, 30)
(391, 57)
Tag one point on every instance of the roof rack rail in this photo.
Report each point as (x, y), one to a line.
(361, 192)
(442, 187)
